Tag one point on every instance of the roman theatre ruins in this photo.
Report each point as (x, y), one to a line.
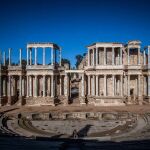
(111, 74)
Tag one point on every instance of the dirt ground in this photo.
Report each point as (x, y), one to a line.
(140, 109)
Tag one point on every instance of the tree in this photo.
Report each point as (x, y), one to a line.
(65, 61)
(79, 58)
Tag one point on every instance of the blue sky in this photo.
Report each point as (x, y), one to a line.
(72, 24)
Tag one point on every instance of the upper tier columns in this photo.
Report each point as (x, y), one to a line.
(9, 56)
(4, 58)
(60, 57)
(30, 56)
(20, 56)
(93, 57)
(52, 56)
(104, 55)
(35, 63)
(128, 51)
(43, 55)
(113, 54)
(27, 56)
(89, 57)
(97, 56)
(139, 56)
(121, 55)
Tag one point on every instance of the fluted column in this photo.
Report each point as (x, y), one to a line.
(52, 56)
(4, 86)
(60, 57)
(96, 56)
(27, 86)
(97, 85)
(121, 85)
(148, 85)
(139, 85)
(30, 85)
(128, 85)
(43, 55)
(89, 57)
(104, 55)
(93, 57)
(113, 59)
(120, 55)
(83, 88)
(9, 56)
(89, 85)
(35, 63)
(9, 90)
(27, 56)
(128, 49)
(139, 56)
(20, 85)
(93, 86)
(43, 85)
(113, 85)
(105, 85)
(52, 86)
(20, 56)
(35, 86)
(60, 79)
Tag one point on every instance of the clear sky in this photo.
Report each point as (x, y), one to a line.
(72, 24)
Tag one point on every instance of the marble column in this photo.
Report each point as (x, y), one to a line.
(60, 80)
(104, 55)
(105, 85)
(121, 55)
(128, 85)
(128, 49)
(43, 55)
(149, 85)
(89, 85)
(93, 56)
(113, 85)
(113, 55)
(52, 56)
(27, 86)
(27, 56)
(83, 88)
(30, 56)
(52, 86)
(97, 85)
(9, 90)
(89, 59)
(121, 85)
(35, 86)
(139, 56)
(97, 56)
(93, 85)
(9, 56)
(20, 56)
(20, 85)
(139, 85)
(35, 63)
(4, 86)
(44, 85)
(30, 85)
(60, 57)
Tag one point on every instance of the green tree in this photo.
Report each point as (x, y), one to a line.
(79, 58)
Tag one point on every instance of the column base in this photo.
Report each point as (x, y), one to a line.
(82, 100)
(20, 103)
(9, 101)
(66, 101)
(140, 100)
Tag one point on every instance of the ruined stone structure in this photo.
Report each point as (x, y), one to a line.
(111, 74)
